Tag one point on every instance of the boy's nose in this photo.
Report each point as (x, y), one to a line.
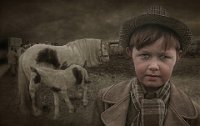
(154, 66)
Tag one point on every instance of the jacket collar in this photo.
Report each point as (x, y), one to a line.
(119, 96)
(118, 92)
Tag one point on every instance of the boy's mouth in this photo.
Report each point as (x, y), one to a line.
(152, 76)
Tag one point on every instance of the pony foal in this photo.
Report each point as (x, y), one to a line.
(58, 81)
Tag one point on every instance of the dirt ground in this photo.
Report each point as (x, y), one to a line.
(186, 77)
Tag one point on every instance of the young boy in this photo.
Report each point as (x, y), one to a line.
(155, 43)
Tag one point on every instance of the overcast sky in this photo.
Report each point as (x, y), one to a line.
(66, 20)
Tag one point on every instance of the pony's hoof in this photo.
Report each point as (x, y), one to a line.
(56, 117)
(25, 112)
(85, 103)
(71, 110)
(37, 112)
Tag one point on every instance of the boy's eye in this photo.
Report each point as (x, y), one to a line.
(162, 57)
(145, 56)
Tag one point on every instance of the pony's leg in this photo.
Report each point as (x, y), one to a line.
(85, 99)
(24, 98)
(33, 87)
(56, 105)
(68, 102)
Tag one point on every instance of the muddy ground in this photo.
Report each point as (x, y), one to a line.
(186, 76)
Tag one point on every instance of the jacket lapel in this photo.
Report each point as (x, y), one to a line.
(173, 119)
(119, 96)
(180, 108)
(116, 114)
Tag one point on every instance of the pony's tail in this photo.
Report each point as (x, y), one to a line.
(23, 90)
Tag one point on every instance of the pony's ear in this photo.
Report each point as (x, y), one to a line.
(33, 69)
(85, 64)
(64, 65)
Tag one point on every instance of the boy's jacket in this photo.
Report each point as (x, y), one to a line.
(112, 106)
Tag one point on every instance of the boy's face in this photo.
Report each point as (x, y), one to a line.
(153, 64)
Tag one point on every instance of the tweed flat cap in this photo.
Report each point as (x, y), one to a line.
(155, 15)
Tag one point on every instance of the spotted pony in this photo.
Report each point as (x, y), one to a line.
(94, 51)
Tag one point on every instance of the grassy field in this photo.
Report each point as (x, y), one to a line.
(186, 77)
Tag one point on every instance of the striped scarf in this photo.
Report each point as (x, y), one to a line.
(152, 111)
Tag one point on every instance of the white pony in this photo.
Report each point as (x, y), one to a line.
(59, 82)
(94, 51)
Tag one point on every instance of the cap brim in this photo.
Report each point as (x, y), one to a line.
(177, 26)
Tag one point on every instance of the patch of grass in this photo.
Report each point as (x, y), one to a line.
(189, 84)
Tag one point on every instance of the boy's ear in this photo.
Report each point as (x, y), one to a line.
(128, 51)
(179, 55)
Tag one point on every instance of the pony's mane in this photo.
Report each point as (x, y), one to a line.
(88, 49)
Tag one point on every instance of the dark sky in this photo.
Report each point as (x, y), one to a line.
(66, 20)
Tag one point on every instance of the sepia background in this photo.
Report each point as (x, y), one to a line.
(66, 20)
(61, 21)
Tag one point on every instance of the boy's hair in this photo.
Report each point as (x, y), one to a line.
(147, 34)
